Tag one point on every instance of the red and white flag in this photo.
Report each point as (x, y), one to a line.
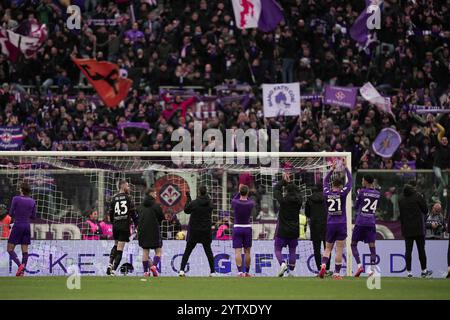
(12, 44)
(247, 13)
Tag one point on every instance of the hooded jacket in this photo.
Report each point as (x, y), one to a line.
(200, 210)
(150, 218)
(288, 216)
(317, 215)
(413, 211)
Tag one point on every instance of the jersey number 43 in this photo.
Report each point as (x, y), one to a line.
(120, 208)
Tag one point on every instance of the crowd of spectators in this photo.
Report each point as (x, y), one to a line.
(196, 43)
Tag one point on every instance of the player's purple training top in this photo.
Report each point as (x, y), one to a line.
(335, 201)
(366, 206)
(242, 209)
(23, 209)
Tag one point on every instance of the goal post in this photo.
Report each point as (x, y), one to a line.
(219, 171)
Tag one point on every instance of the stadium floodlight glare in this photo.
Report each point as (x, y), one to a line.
(67, 183)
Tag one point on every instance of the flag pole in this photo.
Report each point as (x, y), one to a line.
(241, 40)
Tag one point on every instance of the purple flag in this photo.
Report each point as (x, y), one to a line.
(11, 138)
(387, 142)
(271, 15)
(341, 96)
(359, 31)
(405, 165)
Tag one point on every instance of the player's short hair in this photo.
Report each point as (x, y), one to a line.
(25, 188)
(149, 190)
(202, 190)
(368, 178)
(243, 191)
(121, 183)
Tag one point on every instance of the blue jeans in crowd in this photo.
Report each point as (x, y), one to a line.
(288, 70)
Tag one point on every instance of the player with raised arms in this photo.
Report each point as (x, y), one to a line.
(366, 206)
(287, 230)
(149, 233)
(23, 209)
(121, 212)
(199, 228)
(242, 231)
(335, 200)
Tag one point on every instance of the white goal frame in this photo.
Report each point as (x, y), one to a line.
(204, 155)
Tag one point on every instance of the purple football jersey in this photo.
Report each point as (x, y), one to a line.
(242, 209)
(366, 206)
(335, 201)
(23, 209)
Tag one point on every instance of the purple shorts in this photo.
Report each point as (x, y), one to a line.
(368, 234)
(242, 237)
(20, 234)
(283, 242)
(336, 232)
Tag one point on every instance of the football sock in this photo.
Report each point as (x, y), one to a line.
(156, 260)
(337, 268)
(292, 257)
(278, 255)
(24, 258)
(117, 259)
(13, 257)
(324, 260)
(356, 253)
(145, 265)
(373, 255)
(112, 255)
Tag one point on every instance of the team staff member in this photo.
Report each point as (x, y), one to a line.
(199, 229)
(315, 212)
(413, 212)
(149, 233)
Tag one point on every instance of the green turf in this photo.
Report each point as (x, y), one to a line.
(221, 288)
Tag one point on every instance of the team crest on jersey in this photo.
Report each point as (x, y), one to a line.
(171, 190)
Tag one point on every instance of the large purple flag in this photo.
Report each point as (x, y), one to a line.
(340, 96)
(271, 15)
(359, 31)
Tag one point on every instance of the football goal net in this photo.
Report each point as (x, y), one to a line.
(72, 187)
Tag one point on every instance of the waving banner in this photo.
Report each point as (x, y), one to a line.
(427, 109)
(11, 138)
(12, 44)
(369, 93)
(340, 96)
(281, 99)
(262, 14)
(387, 142)
(104, 77)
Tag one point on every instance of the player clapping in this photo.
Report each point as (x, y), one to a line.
(242, 232)
(365, 230)
(335, 201)
(287, 232)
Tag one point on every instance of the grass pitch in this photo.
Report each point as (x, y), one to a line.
(161, 288)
